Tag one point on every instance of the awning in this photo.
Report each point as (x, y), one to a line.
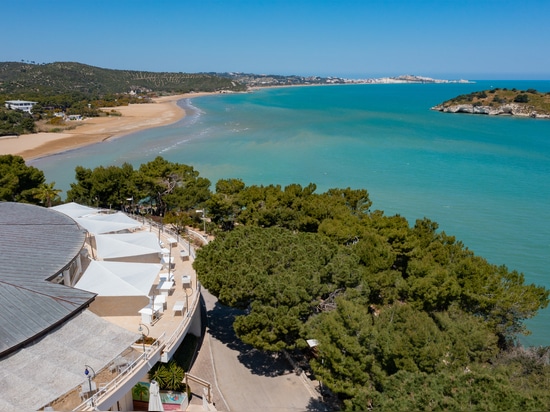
(74, 210)
(107, 223)
(110, 246)
(119, 278)
(97, 221)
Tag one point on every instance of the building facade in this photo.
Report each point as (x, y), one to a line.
(22, 105)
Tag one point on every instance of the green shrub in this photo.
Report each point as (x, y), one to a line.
(521, 98)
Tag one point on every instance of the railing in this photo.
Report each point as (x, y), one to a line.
(202, 382)
(186, 321)
(161, 228)
(128, 371)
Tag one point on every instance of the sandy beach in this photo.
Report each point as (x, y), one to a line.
(134, 117)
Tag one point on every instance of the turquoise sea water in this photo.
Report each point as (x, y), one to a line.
(483, 179)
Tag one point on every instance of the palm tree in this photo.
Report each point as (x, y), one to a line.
(47, 194)
(139, 390)
(175, 376)
(169, 377)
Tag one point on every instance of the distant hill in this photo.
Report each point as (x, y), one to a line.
(529, 103)
(17, 79)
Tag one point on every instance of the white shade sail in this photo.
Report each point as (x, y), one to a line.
(110, 246)
(98, 221)
(107, 223)
(74, 210)
(119, 278)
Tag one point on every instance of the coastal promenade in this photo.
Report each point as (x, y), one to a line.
(244, 379)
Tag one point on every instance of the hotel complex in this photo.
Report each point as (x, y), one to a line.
(91, 300)
(23, 105)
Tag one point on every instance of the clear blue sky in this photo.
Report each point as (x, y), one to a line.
(481, 39)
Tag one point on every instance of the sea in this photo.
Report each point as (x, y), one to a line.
(484, 180)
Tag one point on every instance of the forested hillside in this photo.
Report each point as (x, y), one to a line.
(66, 77)
(79, 89)
(405, 317)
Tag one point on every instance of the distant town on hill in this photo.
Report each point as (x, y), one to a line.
(264, 80)
(39, 97)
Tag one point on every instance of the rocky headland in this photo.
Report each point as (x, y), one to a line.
(500, 102)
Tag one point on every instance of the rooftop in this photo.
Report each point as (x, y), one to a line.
(32, 305)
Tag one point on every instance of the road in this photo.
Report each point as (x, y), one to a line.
(245, 379)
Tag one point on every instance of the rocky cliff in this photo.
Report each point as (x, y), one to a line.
(510, 109)
(500, 102)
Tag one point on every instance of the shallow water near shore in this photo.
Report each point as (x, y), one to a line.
(485, 180)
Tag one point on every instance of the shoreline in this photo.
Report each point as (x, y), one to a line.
(135, 117)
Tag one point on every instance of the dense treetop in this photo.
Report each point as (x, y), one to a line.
(407, 318)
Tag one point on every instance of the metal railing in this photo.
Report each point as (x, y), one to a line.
(93, 400)
(186, 320)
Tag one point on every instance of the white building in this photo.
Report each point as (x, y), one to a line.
(23, 105)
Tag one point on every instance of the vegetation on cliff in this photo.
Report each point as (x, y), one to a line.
(497, 101)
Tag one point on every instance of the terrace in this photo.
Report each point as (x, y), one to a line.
(174, 311)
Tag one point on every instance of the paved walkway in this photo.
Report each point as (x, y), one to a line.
(243, 378)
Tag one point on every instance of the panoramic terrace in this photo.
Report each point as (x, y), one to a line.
(174, 311)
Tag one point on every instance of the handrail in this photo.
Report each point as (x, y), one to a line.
(144, 357)
(206, 384)
(166, 229)
(186, 320)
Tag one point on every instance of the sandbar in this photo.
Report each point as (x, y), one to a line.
(134, 117)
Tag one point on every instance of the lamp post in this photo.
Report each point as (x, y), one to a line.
(160, 226)
(90, 375)
(143, 335)
(169, 258)
(188, 241)
(187, 299)
(203, 211)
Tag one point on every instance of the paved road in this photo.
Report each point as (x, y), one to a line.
(243, 378)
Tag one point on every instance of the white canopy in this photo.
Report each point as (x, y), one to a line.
(107, 223)
(119, 278)
(74, 209)
(127, 244)
(97, 221)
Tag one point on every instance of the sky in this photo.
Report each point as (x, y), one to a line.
(475, 40)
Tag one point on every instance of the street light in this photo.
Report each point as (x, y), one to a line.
(140, 329)
(90, 375)
(187, 297)
(188, 241)
(203, 211)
